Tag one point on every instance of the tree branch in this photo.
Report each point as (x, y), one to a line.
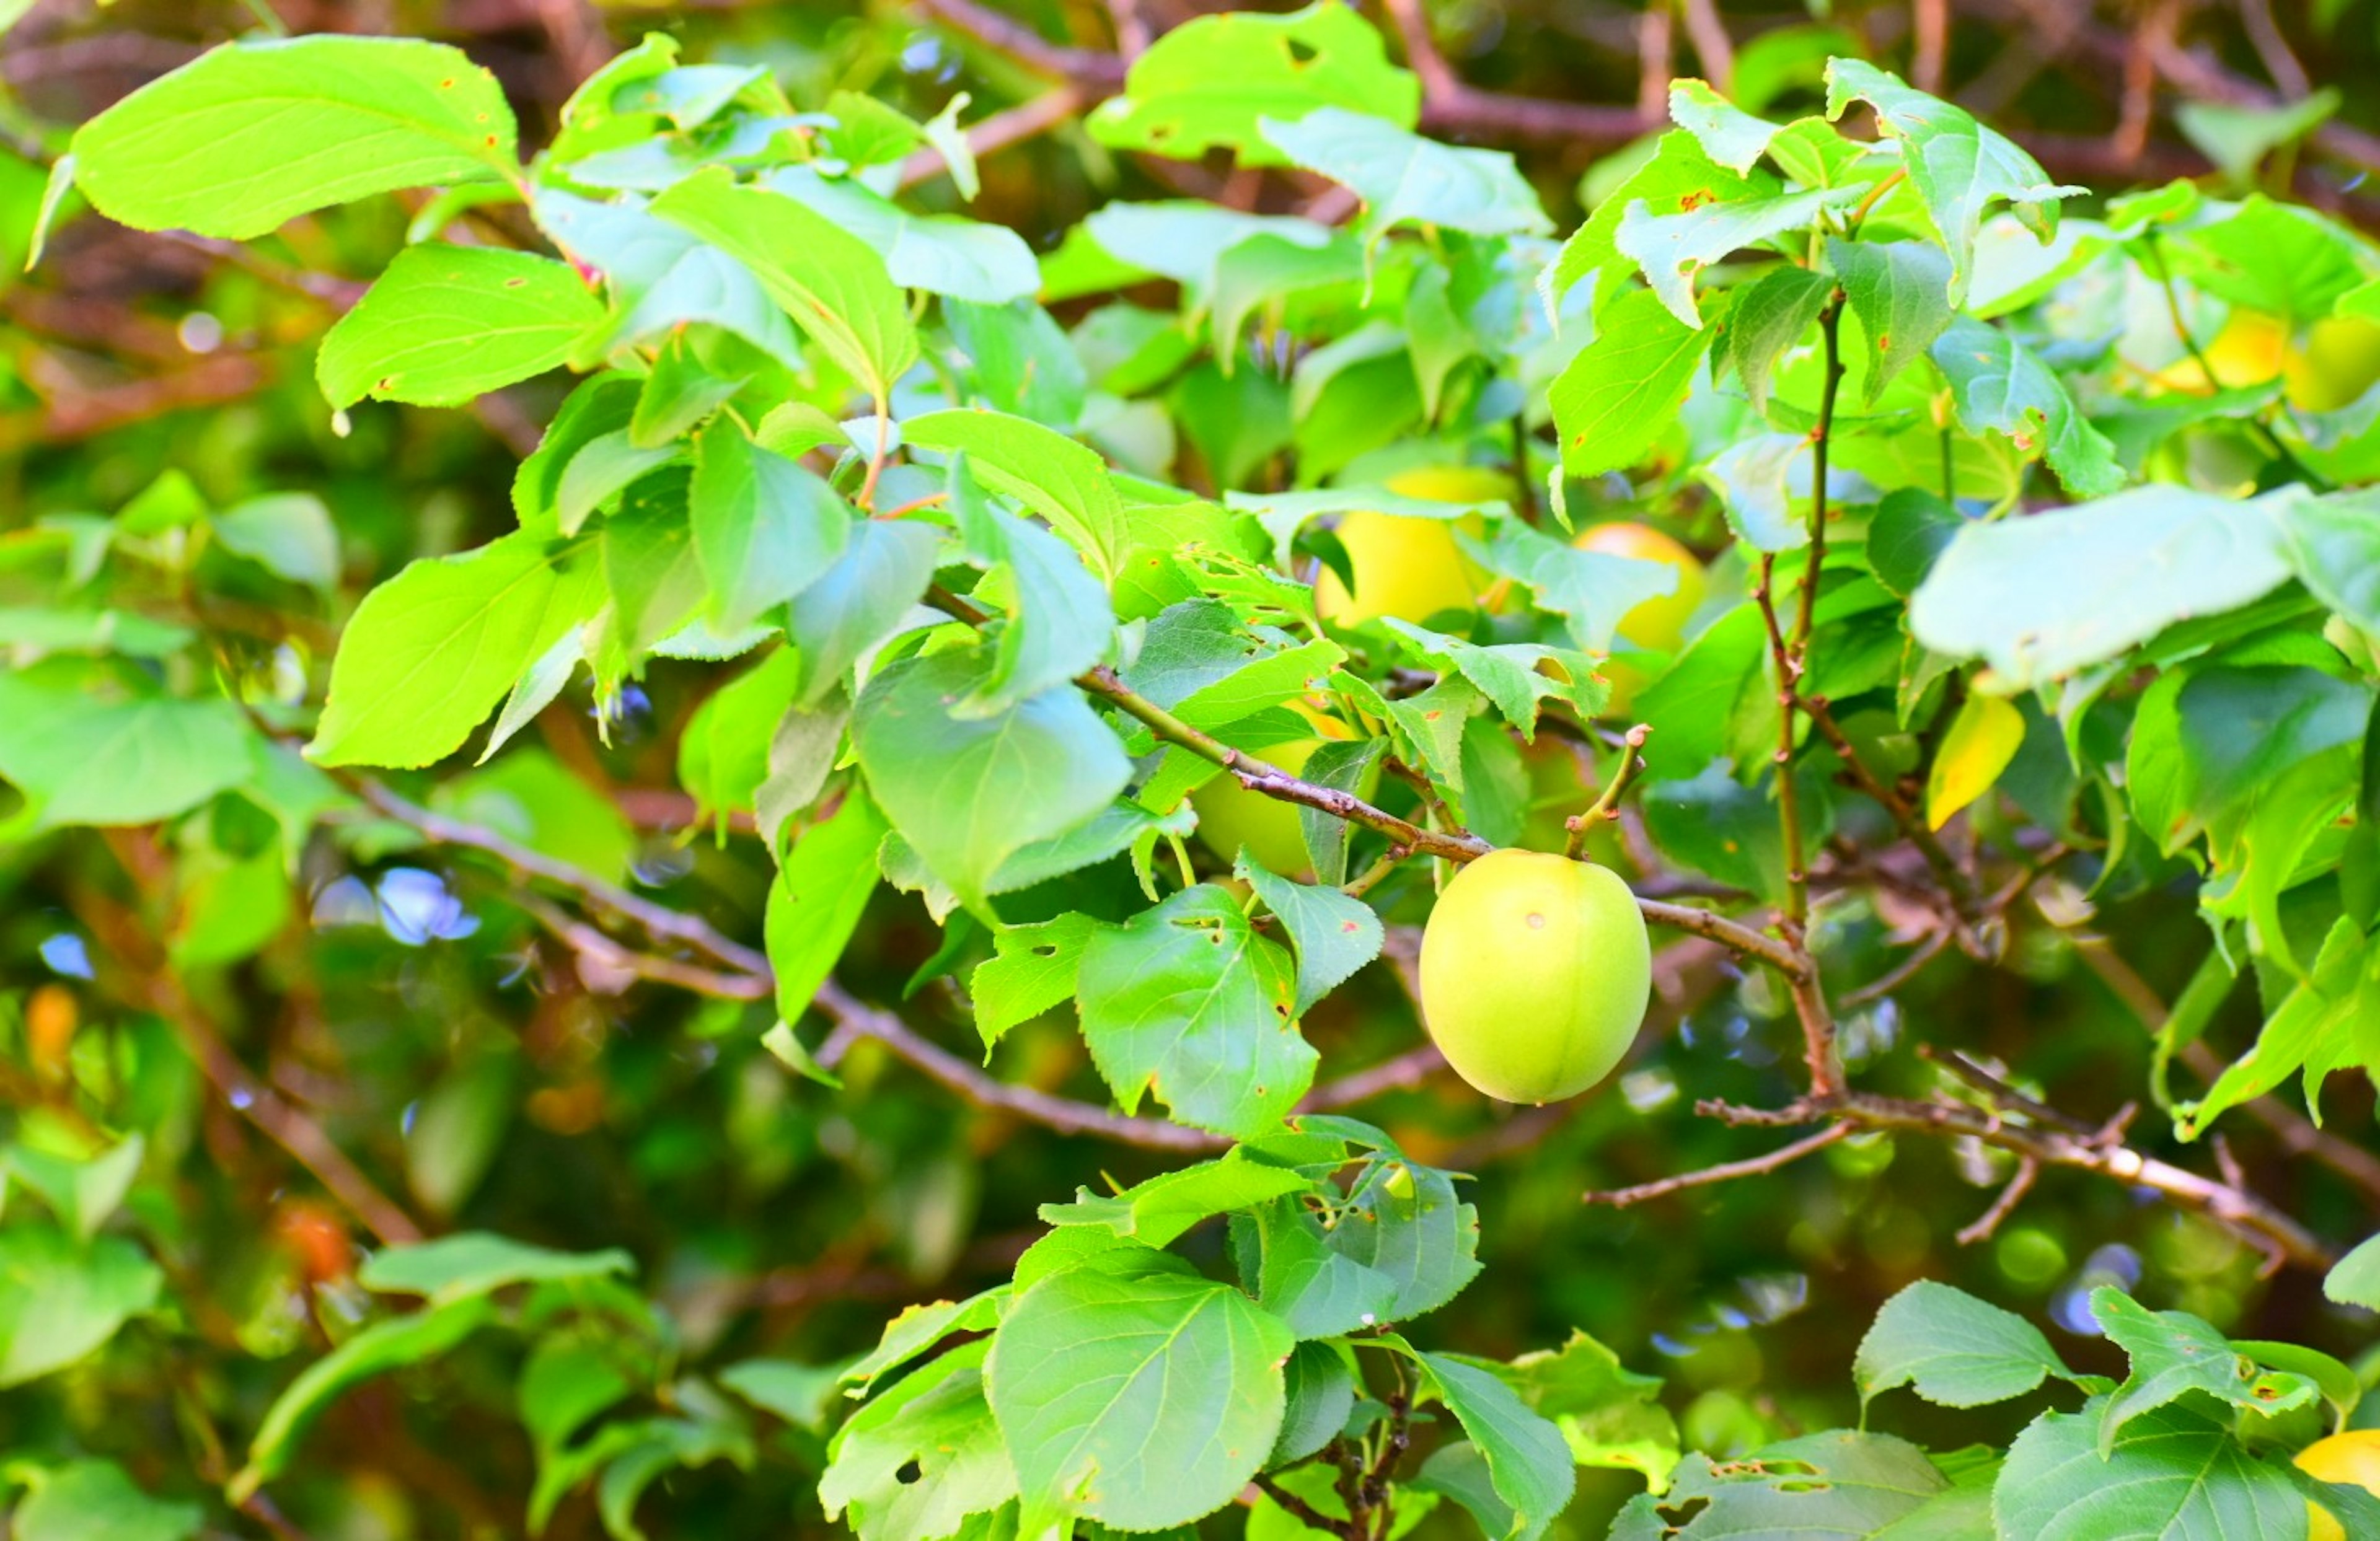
(1060, 1113)
(2243, 1212)
(1726, 1171)
(150, 981)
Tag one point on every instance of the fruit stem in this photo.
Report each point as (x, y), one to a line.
(1606, 806)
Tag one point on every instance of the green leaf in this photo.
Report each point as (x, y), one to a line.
(1951, 1349)
(942, 254)
(1607, 1413)
(2235, 137)
(870, 593)
(1673, 248)
(1402, 177)
(802, 752)
(820, 895)
(2355, 1278)
(1754, 478)
(2342, 986)
(1335, 933)
(1209, 82)
(650, 570)
(251, 133)
(1059, 623)
(1591, 590)
(567, 1380)
(1404, 1221)
(1142, 1402)
(919, 1328)
(88, 755)
(428, 653)
(1836, 1487)
(764, 528)
(470, 1264)
(723, 755)
(1528, 1461)
(85, 1500)
(1187, 1002)
(1158, 1211)
(1728, 135)
(1317, 1289)
(376, 1349)
(2276, 258)
(2038, 598)
(801, 1394)
(2334, 544)
(1343, 768)
(81, 1193)
(446, 323)
(966, 793)
(921, 1457)
(2176, 1475)
(61, 1300)
(1321, 1389)
(1899, 291)
(1958, 166)
(2001, 385)
(661, 277)
(1623, 389)
(1910, 529)
(832, 284)
(1512, 674)
(1771, 314)
(1051, 475)
(2174, 1353)
(288, 534)
(1680, 176)
(1032, 972)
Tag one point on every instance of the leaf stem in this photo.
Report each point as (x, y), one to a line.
(1899, 174)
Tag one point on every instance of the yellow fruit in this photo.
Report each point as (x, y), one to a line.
(1656, 624)
(2353, 1458)
(2339, 361)
(1230, 816)
(2251, 349)
(1408, 566)
(1536, 971)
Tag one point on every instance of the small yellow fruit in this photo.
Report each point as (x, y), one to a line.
(1656, 625)
(1536, 971)
(1405, 565)
(2339, 361)
(2353, 1458)
(2251, 349)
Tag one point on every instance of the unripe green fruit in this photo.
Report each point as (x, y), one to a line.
(1535, 972)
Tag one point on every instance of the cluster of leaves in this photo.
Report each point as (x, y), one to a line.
(989, 597)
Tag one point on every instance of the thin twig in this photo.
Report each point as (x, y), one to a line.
(1707, 29)
(1304, 1513)
(2246, 1213)
(2019, 1182)
(1726, 1171)
(150, 981)
(660, 919)
(1884, 984)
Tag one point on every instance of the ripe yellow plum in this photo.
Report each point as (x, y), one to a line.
(2350, 1458)
(1407, 565)
(1656, 624)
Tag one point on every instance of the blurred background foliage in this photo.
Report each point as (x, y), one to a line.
(475, 1072)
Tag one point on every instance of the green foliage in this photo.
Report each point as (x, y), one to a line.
(977, 582)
